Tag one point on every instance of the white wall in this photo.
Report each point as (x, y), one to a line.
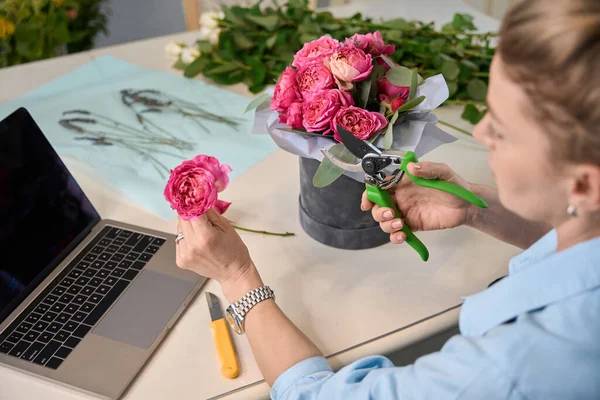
(141, 19)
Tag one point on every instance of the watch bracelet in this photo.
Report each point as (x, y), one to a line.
(252, 298)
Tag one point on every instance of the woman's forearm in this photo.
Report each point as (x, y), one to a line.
(503, 224)
(276, 342)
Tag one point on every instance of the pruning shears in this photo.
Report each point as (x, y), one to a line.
(383, 171)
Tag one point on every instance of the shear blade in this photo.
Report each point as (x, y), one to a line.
(342, 164)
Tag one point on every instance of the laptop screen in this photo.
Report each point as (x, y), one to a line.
(43, 212)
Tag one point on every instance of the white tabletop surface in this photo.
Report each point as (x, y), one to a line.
(350, 303)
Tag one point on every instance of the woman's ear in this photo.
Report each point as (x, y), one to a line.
(585, 196)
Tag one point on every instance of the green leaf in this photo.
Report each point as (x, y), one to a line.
(450, 70)
(271, 42)
(180, 65)
(472, 114)
(229, 15)
(222, 69)
(327, 173)
(398, 23)
(470, 64)
(306, 37)
(414, 81)
(409, 105)
(258, 72)
(39, 4)
(452, 88)
(477, 89)
(436, 45)
(363, 89)
(23, 13)
(257, 102)
(388, 139)
(388, 61)
(399, 76)
(331, 27)
(196, 67)
(242, 42)
(204, 46)
(269, 22)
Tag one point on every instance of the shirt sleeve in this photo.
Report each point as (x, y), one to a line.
(461, 370)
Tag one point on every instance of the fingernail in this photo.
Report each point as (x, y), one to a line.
(388, 214)
(397, 224)
(400, 238)
(417, 166)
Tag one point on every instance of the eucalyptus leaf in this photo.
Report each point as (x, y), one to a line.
(258, 72)
(399, 76)
(397, 23)
(409, 105)
(477, 89)
(271, 41)
(388, 139)
(436, 45)
(257, 102)
(221, 69)
(388, 61)
(204, 46)
(327, 172)
(450, 70)
(363, 91)
(472, 114)
(196, 67)
(414, 82)
(452, 88)
(269, 22)
(242, 42)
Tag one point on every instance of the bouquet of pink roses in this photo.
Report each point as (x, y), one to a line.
(354, 85)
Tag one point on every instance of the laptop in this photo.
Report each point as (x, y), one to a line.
(84, 301)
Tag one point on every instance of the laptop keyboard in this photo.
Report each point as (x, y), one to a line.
(65, 312)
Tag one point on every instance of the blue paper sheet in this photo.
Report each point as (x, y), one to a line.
(137, 161)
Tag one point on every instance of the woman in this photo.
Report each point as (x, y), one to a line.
(535, 333)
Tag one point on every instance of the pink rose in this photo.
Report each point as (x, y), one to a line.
(286, 91)
(314, 77)
(386, 87)
(193, 186)
(371, 43)
(220, 171)
(350, 64)
(321, 107)
(294, 116)
(360, 122)
(393, 104)
(317, 50)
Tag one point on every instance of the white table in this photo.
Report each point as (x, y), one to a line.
(351, 304)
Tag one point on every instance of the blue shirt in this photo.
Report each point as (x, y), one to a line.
(533, 335)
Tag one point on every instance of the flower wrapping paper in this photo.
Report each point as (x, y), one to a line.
(417, 131)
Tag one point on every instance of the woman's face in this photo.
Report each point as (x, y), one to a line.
(528, 182)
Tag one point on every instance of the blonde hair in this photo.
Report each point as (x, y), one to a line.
(552, 49)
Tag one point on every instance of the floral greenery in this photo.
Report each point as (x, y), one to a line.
(32, 30)
(257, 43)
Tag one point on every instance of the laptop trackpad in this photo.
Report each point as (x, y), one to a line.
(139, 316)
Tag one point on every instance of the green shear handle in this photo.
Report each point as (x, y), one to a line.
(383, 199)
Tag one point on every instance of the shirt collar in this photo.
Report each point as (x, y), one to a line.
(538, 277)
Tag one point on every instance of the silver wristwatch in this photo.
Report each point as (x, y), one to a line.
(236, 312)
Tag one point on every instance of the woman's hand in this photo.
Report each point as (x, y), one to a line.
(212, 248)
(423, 208)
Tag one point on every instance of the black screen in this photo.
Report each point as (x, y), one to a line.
(43, 212)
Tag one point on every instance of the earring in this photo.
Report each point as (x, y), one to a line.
(572, 211)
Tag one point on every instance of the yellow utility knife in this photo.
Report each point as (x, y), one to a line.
(223, 344)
